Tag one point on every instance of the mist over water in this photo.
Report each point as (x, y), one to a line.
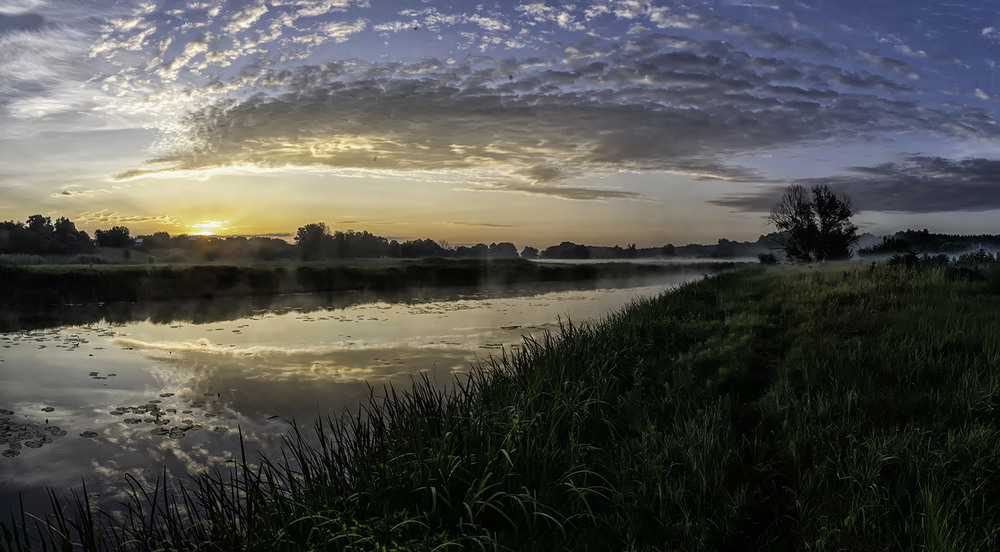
(103, 399)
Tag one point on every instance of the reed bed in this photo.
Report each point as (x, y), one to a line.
(834, 408)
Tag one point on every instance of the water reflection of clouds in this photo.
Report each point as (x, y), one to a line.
(131, 455)
(294, 383)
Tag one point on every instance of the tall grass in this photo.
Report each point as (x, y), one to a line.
(766, 409)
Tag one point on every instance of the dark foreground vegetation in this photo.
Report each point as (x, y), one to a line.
(71, 284)
(841, 408)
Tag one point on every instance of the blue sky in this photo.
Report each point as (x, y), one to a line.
(602, 122)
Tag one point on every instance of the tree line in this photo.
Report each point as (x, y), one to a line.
(811, 225)
(315, 241)
(40, 236)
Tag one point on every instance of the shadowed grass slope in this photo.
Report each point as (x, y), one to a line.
(800, 409)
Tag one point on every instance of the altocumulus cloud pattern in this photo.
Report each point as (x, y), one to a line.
(528, 98)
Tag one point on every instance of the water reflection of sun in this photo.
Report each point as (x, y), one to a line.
(208, 227)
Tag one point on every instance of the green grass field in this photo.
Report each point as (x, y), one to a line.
(835, 408)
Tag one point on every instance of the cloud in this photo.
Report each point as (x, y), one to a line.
(74, 193)
(579, 193)
(107, 216)
(233, 89)
(245, 18)
(916, 184)
(20, 22)
(636, 105)
(479, 224)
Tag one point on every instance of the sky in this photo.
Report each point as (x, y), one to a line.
(605, 122)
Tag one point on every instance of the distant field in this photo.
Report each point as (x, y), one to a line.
(55, 284)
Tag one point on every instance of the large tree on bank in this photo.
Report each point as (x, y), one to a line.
(814, 225)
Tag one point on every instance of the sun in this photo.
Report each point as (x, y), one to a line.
(208, 227)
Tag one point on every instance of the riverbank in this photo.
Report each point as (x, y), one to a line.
(779, 409)
(36, 285)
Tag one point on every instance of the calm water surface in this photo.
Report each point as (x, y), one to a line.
(95, 402)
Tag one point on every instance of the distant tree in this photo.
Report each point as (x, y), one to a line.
(16, 238)
(353, 244)
(116, 236)
(394, 249)
(68, 239)
(814, 226)
(767, 258)
(480, 250)
(268, 249)
(668, 250)
(314, 241)
(723, 249)
(889, 244)
(420, 248)
(566, 250)
(503, 250)
(156, 240)
(41, 225)
(529, 253)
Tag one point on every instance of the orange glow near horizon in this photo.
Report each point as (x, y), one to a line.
(208, 227)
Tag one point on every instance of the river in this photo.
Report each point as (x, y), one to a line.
(143, 390)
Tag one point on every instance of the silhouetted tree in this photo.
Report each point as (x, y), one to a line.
(566, 250)
(529, 253)
(668, 250)
(156, 240)
(420, 248)
(116, 236)
(814, 226)
(268, 249)
(503, 250)
(40, 237)
(40, 225)
(314, 241)
(353, 244)
(480, 250)
(69, 239)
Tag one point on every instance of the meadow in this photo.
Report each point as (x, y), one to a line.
(772, 408)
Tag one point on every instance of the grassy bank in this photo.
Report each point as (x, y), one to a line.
(67, 284)
(799, 409)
